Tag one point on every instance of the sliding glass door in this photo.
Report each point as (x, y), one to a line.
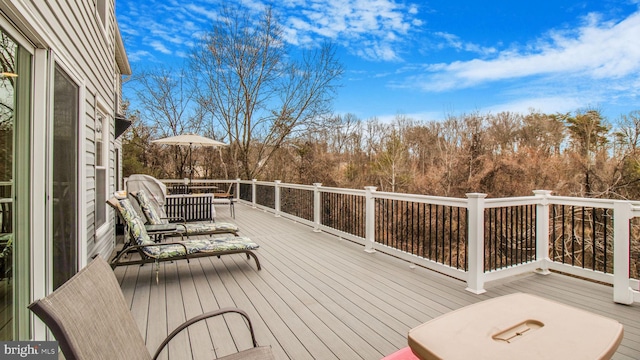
(15, 99)
(65, 177)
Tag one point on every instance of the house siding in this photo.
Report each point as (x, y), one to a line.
(73, 34)
(86, 46)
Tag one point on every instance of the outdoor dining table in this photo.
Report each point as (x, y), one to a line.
(203, 188)
(517, 326)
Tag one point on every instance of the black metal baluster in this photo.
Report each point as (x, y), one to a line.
(422, 227)
(450, 236)
(521, 235)
(583, 237)
(458, 238)
(494, 237)
(444, 235)
(513, 220)
(606, 252)
(504, 241)
(415, 231)
(594, 215)
(573, 236)
(387, 221)
(564, 249)
(437, 239)
(404, 243)
(531, 225)
(430, 231)
(553, 231)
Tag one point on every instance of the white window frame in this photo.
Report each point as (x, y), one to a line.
(101, 12)
(102, 163)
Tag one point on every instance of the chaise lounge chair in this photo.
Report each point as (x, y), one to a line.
(6, 244)
(150, 252)
(155, 216)
(90, 319)
(190, 207)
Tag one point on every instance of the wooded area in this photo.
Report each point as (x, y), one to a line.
(504, 154)
(272, 105)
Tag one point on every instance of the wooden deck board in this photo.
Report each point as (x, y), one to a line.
(180, 345)
(320, 297)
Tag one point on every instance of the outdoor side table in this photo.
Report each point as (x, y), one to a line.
(517, 326)
(162, 229)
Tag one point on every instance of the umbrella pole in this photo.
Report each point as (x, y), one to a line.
(190, 165)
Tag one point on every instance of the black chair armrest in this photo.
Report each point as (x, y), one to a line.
(116, 260)
(203, 317)
(179, 218)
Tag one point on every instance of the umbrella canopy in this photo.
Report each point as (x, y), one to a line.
(189, 140)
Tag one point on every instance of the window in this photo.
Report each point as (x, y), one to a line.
(101, 9)
(101, 141)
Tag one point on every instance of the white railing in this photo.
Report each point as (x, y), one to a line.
(269, 196)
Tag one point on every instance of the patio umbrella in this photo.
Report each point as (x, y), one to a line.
(189, 140)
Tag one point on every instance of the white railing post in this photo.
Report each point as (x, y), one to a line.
(316, 207)
(622, 293)
(475, 249)
(254, 186)
(542, 231)
(370, 219)
(236, 193)
(277, 199)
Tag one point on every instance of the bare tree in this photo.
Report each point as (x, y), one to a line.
(542, 132)
(626, 155)
(167, 100)
(391, 163)
(139, 157)
(8, 56)
(588, 133)
(257, 90)
(503, 130)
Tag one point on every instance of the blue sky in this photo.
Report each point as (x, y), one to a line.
(430, 59)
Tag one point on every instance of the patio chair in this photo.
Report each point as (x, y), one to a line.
(90, 319)
(180, 189)
(155, 215)
(150, 252)
(226, 197)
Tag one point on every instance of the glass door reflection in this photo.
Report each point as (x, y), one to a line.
(8, 83)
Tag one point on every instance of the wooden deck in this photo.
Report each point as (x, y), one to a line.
(320, 297)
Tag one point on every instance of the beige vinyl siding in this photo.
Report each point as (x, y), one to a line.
(80, 40)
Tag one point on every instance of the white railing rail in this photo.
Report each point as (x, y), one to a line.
(625, 289)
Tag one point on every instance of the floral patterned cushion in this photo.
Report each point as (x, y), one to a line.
(7, 239)
(208, 228)
(198, 246)
(154, 218)
(133, 222)
(150, 211)
(158, 251)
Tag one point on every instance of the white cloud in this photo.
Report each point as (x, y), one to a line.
(597, 50)
(380, 51)
(208, 13)
(138, 55)
(549, 105)
(158, 46)
(371, 29)
(455, 42)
